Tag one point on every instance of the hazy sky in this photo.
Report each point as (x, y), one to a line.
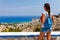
(27, 7)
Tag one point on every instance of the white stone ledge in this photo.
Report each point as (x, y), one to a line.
(57, 33)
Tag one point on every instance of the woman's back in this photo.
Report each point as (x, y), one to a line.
(46, 14)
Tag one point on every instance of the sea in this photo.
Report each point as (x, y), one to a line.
(17, 19)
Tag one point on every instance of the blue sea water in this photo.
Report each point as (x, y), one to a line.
(16, 19)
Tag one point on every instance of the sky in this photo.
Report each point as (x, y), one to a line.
(27, 7)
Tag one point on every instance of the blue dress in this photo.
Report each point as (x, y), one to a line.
(43, 29)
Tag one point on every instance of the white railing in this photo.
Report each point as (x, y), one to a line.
(22, 34)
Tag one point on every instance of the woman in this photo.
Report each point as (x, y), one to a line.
(45, 15)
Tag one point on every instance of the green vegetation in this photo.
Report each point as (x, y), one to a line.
(37, 30)
(56, 29)
(11, 30)
(15, 28)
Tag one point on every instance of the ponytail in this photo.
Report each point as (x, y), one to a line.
(49, 13)
(47, 6)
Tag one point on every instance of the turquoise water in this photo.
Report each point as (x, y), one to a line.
(16, 19)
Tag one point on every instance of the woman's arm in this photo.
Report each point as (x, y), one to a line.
(43, 18)
(53, 18)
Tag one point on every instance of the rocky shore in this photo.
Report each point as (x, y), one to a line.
(56, 25)
(33, 26)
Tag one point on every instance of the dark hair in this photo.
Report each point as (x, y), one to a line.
(47, 6)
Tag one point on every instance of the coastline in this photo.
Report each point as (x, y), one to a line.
(19, 27)
(31, 26)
